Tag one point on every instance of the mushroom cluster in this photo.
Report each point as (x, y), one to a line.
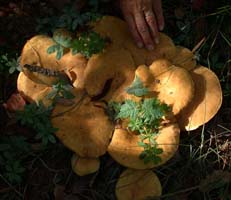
(170, 74)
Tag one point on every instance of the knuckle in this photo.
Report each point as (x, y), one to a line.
(142, 29)
(150, 20)
(146, 5)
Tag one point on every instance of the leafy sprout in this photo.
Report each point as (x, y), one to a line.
(137, 88)
(71, 19)
(9, 65)
(88, 44)
(60, 90)
(59, 49)
(144, 118)
(13, 150)
(62, 42)
(37, 117)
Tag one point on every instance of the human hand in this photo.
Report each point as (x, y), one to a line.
(145, 20)
(14, 103)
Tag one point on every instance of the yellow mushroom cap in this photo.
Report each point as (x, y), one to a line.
(45, 65)
(31, 91)
(138, 185)
(184, 58)
(160, 66)
(165, 49)
(117, 31)
(125, 150)
(143, 72)
(83, 127)
(174, 86)
(206, 102)
(113, 28)
(75, 67)
(115, 65)
(84, 166)
(34, 53)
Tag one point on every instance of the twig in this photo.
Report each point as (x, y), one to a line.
(11, 186)
(229, 130)
(213, 43)
(198, 45)
(46, 166)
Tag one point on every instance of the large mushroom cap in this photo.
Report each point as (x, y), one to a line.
(206, 102)
(75, 66)
(114, 65)
(113, 28)
(117, 31)
(184, 58)
(165, 49)
(144, 75)
(174, 86)
(34, 53)
(83, 127)
(42, 67)
(138, 185)
(84, 166)
(31, 91)
(125, 150)
(160, 66)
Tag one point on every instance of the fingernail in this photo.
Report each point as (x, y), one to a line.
(150, 47)
(157, 40)
(139, 44)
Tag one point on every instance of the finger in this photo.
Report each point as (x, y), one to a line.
(13, 105)
(133, 30)
(19, 97)
(157, 7)
(10, 106)
(143, 30)
(151, 21)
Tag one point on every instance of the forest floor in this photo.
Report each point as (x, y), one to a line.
(201, 167)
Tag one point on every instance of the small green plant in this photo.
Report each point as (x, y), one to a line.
(60, 90)
(12, 152)
(62, 43)
(71, 19)
(37, 117)
(8, 65)
(137, 88)
(86, 44)
(144, 119)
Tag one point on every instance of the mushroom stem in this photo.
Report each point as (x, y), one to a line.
(84, 166)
